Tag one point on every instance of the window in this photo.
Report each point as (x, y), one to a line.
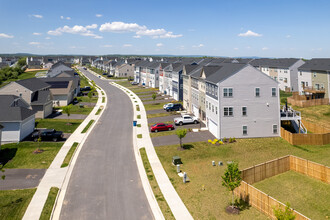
(300, 73)
(212, 108)
(285, 80)
(216, 91)
(207, 104)
(257, 92)
(227, 92)
(212, 90)
(216, 110)
(244, 111)
(244, 130)
(314, 74)
(273, 92)
(228, 111)
(274, 129)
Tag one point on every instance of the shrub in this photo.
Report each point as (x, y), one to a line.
(215, 140)
(224, 139)
(220, 142)
(210, 141)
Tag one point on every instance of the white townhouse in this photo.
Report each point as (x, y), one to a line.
(153, 75)
(241, 102)
(284, 70)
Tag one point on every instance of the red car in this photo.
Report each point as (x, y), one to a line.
(161, 127)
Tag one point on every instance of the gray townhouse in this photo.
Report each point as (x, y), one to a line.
(177, 81)
(16, 117)
(34, 92)
(241, 102)
(284, 70)
(60, 69)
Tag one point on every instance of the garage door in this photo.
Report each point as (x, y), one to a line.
(213, 128)
(195, 111)
(27, 127)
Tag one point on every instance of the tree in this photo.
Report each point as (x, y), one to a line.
(286, 214)
(67, 110)
(154, 96)
(181, 133)
(232, 178)
(21, 62)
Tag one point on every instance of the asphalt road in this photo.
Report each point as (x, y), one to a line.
(21, 178)
(105, 183)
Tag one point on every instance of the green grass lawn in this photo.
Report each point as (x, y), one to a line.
(316, 114)
(59, 124)
(25, 75)
(87, 126)
(98, 111)
(76, 109)
(155, 188)
(165, 122)
(48, 207)
(86, 99)
(21, 155)
(69, 155)
(162, 114)
(13, 203)
(140, 91)
(305, 194)
(211, 202)
(284, 96)
(162, 133)
(153, 106)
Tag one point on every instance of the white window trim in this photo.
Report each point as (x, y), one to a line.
(246, 130)
(255, 91)
(246, 111)
(228, 111)
(275, 92)
(223, 92)
(276, 128)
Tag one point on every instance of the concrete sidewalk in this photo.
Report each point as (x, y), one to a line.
(55, 176)
(172, 198)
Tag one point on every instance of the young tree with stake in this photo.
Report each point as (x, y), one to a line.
(181, 133)
(232, 178)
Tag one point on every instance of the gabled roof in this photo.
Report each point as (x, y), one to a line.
(276, 63)
(316, 64)
(41, 97)
(177, 67)
(190, 68)
(153, 65)
(14, 108)
(58, 68)
(61, 85)
(209, 70)
(33, 84)
(224, 71)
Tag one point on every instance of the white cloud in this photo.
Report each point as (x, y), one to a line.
(47, 38)
(317, 49)
(107, 45)
(37, 16)
(236, 48)
(197, 46)
(288, 36)
(3, 35)
(121, 27)
(139, 30)
(159, 45)
(62, 17)
(34, 43)
(265, 48)
(37, 34)
(248, 47)
(98, 15)
(77, 29)
(249, 34)
(127, 45)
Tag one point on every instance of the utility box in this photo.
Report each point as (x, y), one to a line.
(176, 160)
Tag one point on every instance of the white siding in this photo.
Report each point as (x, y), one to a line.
(10, 132)
(27, 127)
(306, 77)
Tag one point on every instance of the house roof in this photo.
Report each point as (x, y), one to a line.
(62, 85)
(33, 84)
(316, 64)
(278, 63)
(41, 97)
(223, 72)
(209, 70)
(14, 108)
(177, 67)
(190, 68)
(58, 68)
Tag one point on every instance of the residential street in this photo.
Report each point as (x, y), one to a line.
(105, 183)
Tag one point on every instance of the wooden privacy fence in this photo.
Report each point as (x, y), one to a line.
(307, 103)
(264, 202)
(305, 139)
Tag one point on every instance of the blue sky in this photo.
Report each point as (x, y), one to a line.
(265, 28)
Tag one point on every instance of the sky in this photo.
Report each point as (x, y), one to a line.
(232, 28)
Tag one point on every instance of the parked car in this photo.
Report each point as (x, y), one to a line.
(167, 105)
(174, 107)
(161, 127)
(47, 134)
(86, 88)
(134, 83)
(85, 68)
(185, 119)
(104, 74)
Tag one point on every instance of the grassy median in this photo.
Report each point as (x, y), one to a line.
(69, 155)
(155, 188)
(87, 126)
(48, 207)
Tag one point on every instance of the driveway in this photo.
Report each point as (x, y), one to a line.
(162, 119)
(105, 182)
(190, 137)
(157, 101)
(21, 178)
